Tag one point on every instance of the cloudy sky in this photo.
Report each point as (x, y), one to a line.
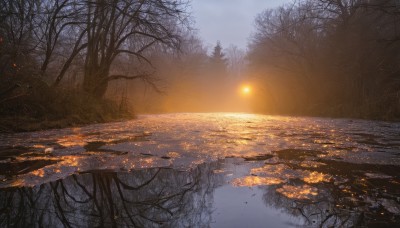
(229, 21)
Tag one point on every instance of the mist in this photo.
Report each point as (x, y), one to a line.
(131, 114)
(329, 58)
(319, 58)
(193, 81)
(301, 60)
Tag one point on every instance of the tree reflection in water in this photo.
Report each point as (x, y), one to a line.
(322, 193)
(143, 198)
(347, 199)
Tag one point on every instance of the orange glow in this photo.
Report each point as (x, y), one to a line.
(245, 90)
(72, 140)
(316, 177)
(251, 181)
(298, 192)
(38, 172)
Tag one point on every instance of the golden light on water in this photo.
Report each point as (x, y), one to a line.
(298, 192)
(316, 177)
(251, 181)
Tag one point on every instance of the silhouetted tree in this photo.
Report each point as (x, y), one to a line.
(112, 24)
(218, 62)
(329, 57)
(236, 62)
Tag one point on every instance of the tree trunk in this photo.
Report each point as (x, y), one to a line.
(94, 81)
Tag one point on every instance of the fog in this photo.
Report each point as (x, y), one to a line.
(243, 128)
(193, 81)
(324, 58)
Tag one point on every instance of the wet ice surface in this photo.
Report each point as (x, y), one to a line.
(219, 170)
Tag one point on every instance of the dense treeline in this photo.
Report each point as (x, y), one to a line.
(329, 57)
(65, 59)
(58, 57)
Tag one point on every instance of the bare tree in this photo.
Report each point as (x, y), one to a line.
(16, 34)
(236, 61)
(59, 23)
(330, 57)
(112, 24)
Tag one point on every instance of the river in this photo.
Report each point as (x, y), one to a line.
(204, 170)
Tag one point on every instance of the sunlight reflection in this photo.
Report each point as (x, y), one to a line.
(311, 164)
(278, 171)
(173, 155)
(57, 170)
(316, 177)
(298, 192)
(70, 161)
(17, 183)
(38, 146)
(38, 172)
(143, 163)
(37, 158)
(251, 181)
(72, 140)
(199, 138)
(240, 116)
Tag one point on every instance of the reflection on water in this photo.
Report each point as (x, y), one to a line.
(315, 177)
(298, 192)
(212, 194)
(251, 181)
(145, 198)
(201, 170)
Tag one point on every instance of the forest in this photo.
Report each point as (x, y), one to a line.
(130, 113)
(58, 57)
(69, 62)
(335, 58)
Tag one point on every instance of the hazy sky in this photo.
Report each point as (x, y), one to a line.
(229, 21)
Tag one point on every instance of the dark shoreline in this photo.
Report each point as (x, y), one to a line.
(26, 124)
(9, 124)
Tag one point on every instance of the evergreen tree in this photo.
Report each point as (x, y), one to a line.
(217, 60)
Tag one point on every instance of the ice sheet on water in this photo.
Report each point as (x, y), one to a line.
(150, 140)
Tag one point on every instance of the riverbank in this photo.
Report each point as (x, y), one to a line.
(59, 110)
(389, 114)
(28, 124)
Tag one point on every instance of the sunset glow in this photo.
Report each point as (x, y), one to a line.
(200, 113)
(246, 90)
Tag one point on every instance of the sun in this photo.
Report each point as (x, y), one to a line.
(246, 89)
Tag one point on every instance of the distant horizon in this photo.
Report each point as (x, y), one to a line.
(210, 22)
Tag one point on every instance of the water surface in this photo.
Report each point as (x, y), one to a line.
(204, 170)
